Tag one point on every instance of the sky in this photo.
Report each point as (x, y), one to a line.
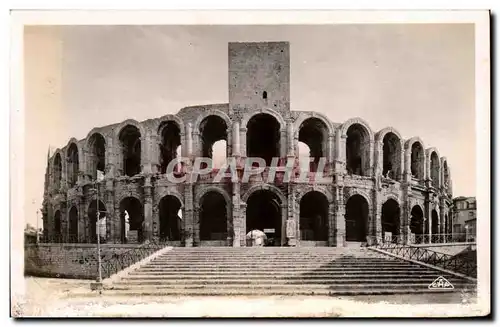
(417, 78)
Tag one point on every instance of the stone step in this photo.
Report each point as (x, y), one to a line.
(271, 268)
(305, 277)
(378, 286)
(291, 270)
(263, 259)
(275, 282)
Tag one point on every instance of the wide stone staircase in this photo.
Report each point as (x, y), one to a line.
(279, 271)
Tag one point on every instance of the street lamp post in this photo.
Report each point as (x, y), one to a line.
(98, 213)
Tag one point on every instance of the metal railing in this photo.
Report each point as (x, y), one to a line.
(442, 238)
(464, 262)
(120, 261)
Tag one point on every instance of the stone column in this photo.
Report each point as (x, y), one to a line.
(237, 224)
(148, 210)
(189, 140)
(340, 231)
(283, 143)
(428, 221)
(188, 215)
(196, 224)
(331, 224)
(379, 160)
(290, 140)
(376, 218)
(110, 208)
(292, 218)
(236, 139)
(81, 219)
(243, 141)
(154, 155)
(330, 155)
(243, 224)
(117, 224)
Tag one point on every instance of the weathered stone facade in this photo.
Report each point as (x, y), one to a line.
(375, 183)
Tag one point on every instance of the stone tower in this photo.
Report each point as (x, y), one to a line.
(259, 76)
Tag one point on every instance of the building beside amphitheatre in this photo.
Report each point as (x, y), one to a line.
(376, 184)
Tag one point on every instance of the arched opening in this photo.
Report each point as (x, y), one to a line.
(314, 217)
(170, 222)
(57, 171)
(391, 156)
(97, 152)
(357, 150)
(132, 219)
(263, 137)
(57, 227)
(434, 169)
(304, 153)
(72, 160)
(170, 135)
(417, 223)
(356, 219)
(92, 215)
(213, 217)
(417, 161)
(130, 141)
(264, 214)
(73, 225)
(314, 133)
(212, 129)
(390, 219)
(264, 95)
(435, 223)
(219, 153)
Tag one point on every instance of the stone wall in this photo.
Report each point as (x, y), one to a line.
(68, 260)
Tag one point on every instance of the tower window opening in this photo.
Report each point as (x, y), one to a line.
(264, 95)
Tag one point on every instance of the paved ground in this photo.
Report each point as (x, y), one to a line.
(67, 298)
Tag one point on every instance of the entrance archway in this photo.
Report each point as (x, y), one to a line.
(263, 137)
(417, 223)
(131, 230)
(357, 150)
(169, 218)
(92, 215)
(314, 133)
(213, 217)
(264, 214)
(356, 219)
(314, 217)
(390, 219)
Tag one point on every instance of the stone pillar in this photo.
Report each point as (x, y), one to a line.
(243, 224)
(331, 224)
(428, 220)
(290, 140)
(112, 160)
(379, 160)
(236, 139)
(148, 210)
(376, 218)
(189, 140)
(243, 141)
(340, 233)
(188, 215)
(154, 155)
(111, 236)
(330, 155)
(196, 224)
(117, 224)
(292, 215)
(81, 219)
(283, 143)
(236, 215)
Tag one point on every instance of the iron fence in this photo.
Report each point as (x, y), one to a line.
(441, 238)
(464, 262)
(120, 261)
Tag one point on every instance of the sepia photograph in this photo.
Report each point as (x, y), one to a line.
(250, 164)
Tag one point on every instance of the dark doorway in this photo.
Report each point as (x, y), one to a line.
(263, 137)
(314, 217)
(169, 219)
(57, 227)
(264, 214)
(390, 219)
(92, 214)
(213, 217)
(133, 207)
(356, 219)
(417, 226)
(73, 225)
